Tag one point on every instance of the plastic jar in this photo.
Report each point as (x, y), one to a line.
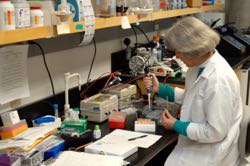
(22, 13)
(37, 17)
(7, 15)
(105, 8)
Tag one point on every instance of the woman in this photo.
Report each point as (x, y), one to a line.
(211, 109)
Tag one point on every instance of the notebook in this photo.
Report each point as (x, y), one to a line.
(112, 145)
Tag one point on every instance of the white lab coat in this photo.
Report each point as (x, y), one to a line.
(212, 104)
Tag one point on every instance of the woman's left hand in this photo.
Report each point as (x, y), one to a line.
(167, 120)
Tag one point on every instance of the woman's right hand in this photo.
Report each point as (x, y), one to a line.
(151, 81)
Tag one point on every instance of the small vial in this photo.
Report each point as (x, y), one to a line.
(55, 106)
(97, 132)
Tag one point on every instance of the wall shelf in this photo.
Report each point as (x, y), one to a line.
(19, 35)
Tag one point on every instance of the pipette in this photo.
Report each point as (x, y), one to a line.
(149, 90)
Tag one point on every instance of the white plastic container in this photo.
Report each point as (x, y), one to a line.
(22, 13)
(37, 17)
(7, 15)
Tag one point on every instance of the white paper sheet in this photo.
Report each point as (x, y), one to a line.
(144, 142)
(13, 73)
(63, 28)
(89, 21)
(125, 22)
(80, 158)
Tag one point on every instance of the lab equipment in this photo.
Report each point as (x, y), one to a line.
(138, 62)
(230, 46)
(71, 127)
(47, 120)
(76, 141)
(55, 106)
(44, 120)
(124, 93)
(131, 116)
(122, 90)
(10, 118)
(97, 132)
(117, 120)
(67, 76)
(166, 68)
(7, 15)
(13, 130)
(37, 16)
(156, 111)
(145, 125)
(99, 107)
(149, 89)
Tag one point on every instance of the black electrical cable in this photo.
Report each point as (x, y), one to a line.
(92, 62)
(47, 69)
(136, 38)
(141, 31)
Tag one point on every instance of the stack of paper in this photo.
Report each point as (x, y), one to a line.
(28, 138)
(72, 158)
(112, 145)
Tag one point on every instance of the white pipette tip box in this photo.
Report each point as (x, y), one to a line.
(145, 125)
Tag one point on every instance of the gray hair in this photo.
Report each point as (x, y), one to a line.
(191, 37)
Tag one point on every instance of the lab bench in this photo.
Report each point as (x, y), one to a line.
(155, 154)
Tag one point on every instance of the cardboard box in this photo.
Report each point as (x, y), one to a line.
(194, 3)
(10, 118)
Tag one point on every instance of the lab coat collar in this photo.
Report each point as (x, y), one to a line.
(209, 65)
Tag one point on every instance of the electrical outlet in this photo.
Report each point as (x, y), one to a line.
(156, 26)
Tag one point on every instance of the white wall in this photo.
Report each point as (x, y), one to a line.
(238, 12)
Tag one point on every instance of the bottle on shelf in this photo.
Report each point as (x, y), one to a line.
(105, 8)
(22, 13)
(7, 15)
(37, 17)
(156, 5)
(164, 5)
(156, 39)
